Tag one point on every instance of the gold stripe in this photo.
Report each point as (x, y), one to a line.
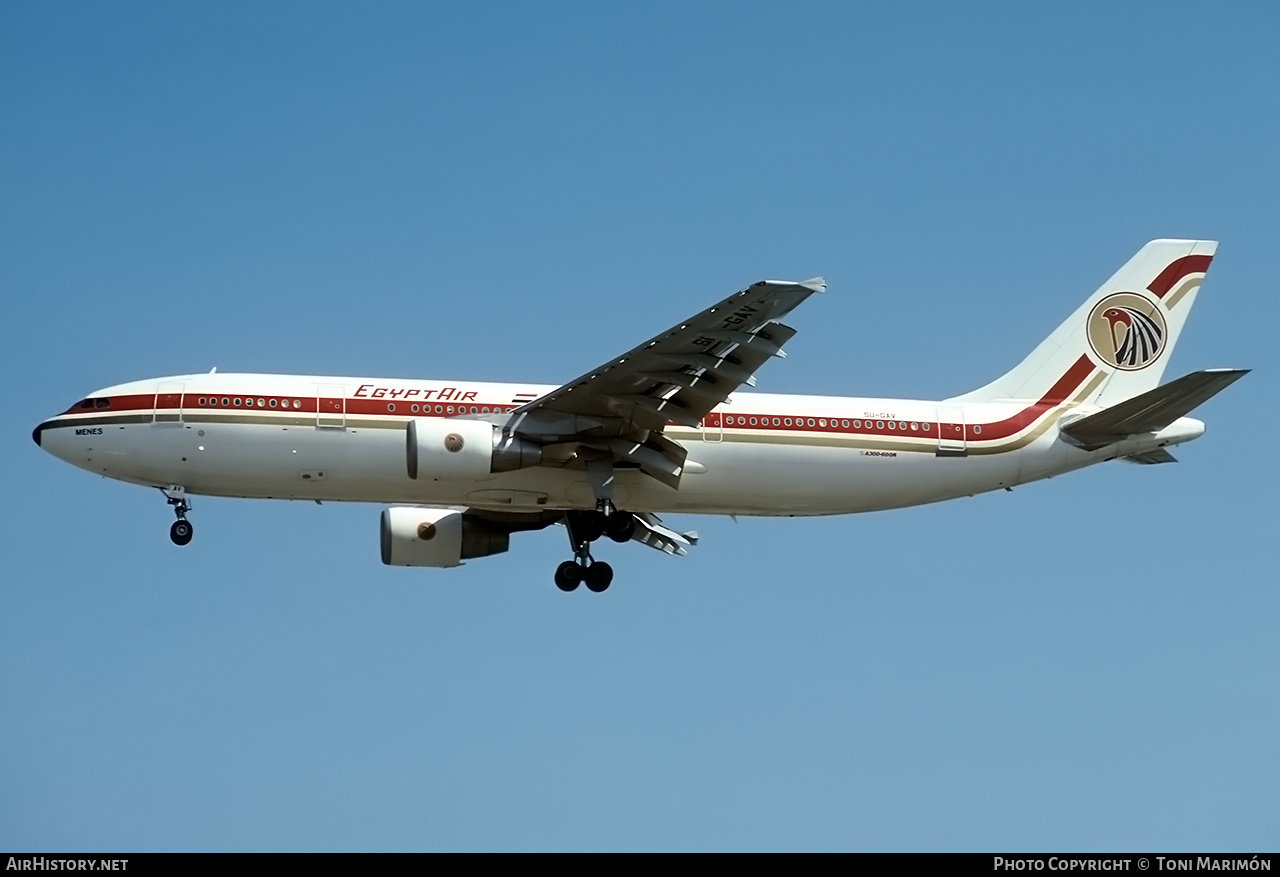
(1050, 418)
(923, 444)
(1183, 288)
(256, 419)
(250, 418)
(103, 420)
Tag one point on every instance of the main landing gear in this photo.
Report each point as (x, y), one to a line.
(597, 574)
(585, 528)
(181, 531)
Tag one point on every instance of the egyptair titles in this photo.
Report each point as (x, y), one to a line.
(445, 394)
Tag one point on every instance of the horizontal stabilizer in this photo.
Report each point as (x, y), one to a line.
(1159, 455)
(1151, 411)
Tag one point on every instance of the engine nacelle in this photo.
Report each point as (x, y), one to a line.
(441, 449)
(414, 536)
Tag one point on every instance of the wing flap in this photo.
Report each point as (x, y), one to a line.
(1151, 411)
(657, 457)
(652, 532)
(695, 391)
(726, 368)
(662, 409)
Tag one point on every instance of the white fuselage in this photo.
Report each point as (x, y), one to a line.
(344, 439)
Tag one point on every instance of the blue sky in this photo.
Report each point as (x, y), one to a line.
(519, 192)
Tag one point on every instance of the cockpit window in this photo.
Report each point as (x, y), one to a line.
(87, 403)
(101, 403)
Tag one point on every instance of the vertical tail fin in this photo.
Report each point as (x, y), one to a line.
(1117, 344)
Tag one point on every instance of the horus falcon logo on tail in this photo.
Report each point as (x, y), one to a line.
(1127, 331)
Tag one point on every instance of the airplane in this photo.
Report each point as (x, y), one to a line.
(663, 428)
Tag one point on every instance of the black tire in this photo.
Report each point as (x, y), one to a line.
(568, 575)
(598, 576)
(620, 526)
(181, 532)
(587, 526)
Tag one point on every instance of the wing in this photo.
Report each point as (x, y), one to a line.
(615, 414)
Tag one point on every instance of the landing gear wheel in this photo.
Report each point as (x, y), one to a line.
(568, 575)
(598, 576)
(586, 526)
(181, 531)
(620, 526)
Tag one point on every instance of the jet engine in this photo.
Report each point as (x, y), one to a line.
(413, 536)
(441, 449)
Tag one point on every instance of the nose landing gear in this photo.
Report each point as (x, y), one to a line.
(181, 531)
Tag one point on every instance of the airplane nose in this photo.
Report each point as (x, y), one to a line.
(35, 433)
